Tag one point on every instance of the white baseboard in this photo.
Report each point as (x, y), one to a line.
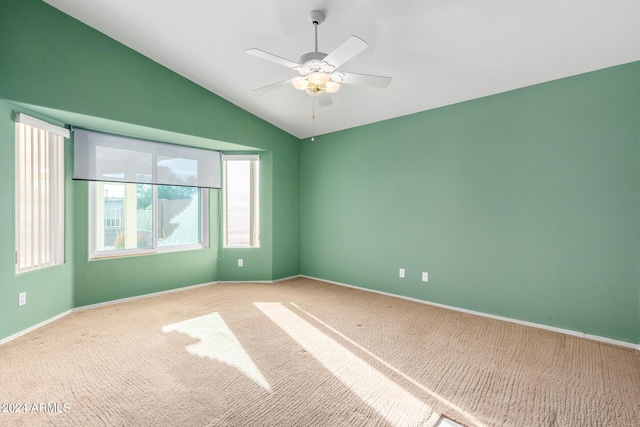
(34, 327)
(245, 281)
(260, 281)
(612, 341)
(137, 297)
(448, 307)
(491, 316)
(286, 278)
(100, 304)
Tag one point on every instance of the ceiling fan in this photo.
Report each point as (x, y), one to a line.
(318, 75)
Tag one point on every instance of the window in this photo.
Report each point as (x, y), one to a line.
(39, 193)
(142, 218)
(145, 196)
(241, 201)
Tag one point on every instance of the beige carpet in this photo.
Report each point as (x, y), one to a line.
(307, 353)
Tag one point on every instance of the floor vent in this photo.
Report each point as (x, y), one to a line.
(446, 422)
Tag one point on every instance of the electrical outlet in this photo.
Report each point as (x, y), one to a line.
(425, 276)
(240, 262)
(22, 298)
(402, 273)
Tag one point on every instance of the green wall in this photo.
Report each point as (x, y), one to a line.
(523, 204)
(60, 69)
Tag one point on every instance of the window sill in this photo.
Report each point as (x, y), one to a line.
(126, 254)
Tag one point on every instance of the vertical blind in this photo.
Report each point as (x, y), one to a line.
(105, 157)
(39, 193)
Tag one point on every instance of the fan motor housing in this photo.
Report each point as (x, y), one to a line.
(311, 56)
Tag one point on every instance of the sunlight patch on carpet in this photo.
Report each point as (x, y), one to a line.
(391, 401)
(433, 394)
(218, 343)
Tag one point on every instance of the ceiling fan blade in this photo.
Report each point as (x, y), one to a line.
(324, 99)
(271, 57)
(347, 50)
(366, 80)
(273, 85)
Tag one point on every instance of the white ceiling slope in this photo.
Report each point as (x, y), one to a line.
(439, 52)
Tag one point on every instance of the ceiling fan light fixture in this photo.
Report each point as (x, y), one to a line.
(314, 89)
(318, 78)
(316, 83)
(332, 87)
(300, 83)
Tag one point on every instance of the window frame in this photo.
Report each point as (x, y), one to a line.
(254, 233)
(51, 139)
(203, 216)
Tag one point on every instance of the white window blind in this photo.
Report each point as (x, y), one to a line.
(39, 193)
(111, 158)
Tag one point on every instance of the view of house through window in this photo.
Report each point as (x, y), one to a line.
(241, 201)
(132, 218)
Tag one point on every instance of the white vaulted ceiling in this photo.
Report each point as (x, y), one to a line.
(438, 52)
